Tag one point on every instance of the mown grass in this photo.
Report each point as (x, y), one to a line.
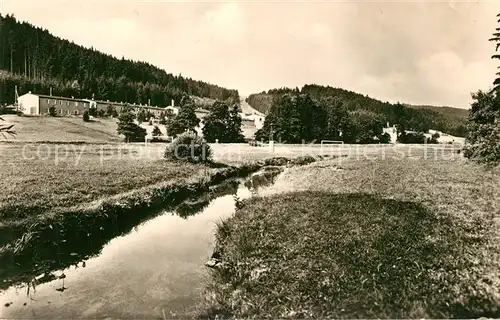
(67, 128)
(40, 178)
(406, 238)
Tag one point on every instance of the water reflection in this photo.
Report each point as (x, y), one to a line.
(156, 269)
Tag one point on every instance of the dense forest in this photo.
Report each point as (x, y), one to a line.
(35, 60)
(419, 118)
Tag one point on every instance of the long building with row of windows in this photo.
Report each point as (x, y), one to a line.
(40, 104)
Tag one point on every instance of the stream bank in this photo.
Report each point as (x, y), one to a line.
(133, 268)
(33, 245)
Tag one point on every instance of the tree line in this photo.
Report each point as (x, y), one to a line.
(222, 124)
(35, 60)
(295, 117)
(416, 118)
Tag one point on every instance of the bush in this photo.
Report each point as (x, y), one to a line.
(156, 132)
(385, 138)
(412, 137)
(434, 138)
(303, 160)
(52, 111)
(93, 111)
(161, 139)
(189, 147)
(101, 113)
(86, 116)
(111, 111)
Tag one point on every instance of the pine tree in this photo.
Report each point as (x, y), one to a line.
(142, 115)
(40, 57)
(186, 120)
(128, 128)
(86, 116)
(156, 132)
(496, 39)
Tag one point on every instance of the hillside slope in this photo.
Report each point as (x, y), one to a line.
(445, 119)
(35, 60)
(74, 129)
(246, 107)
(62, 129)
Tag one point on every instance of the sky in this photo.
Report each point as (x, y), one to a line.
(418, 52)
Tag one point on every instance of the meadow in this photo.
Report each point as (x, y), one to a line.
(390, 236)
(62, 129)
(39, 177)
(79, 187)
(56, 194)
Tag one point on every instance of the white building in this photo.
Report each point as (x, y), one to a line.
(257, 117)
(393, 133)
(40, 104)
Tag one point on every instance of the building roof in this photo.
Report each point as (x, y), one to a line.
(113, 102)
(55, 97)
(134, 105)
(201, 110)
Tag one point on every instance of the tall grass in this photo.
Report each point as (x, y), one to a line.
(321, 255)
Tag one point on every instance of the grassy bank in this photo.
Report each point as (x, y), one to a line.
(375, 239)
(59, 239)
(55, 210)
(41, 178)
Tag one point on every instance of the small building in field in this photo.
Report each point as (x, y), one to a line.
(39, 104)
(256, 117)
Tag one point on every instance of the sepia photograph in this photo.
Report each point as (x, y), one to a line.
(251, 159)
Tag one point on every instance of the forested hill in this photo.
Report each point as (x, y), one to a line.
(446, 119)
(35, 60)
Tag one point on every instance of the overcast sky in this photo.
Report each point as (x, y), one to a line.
(420, 52)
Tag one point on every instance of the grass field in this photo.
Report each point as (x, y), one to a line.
(385, 238)
(63, 191)
(39, 178)
(63, 129)
(73, 128)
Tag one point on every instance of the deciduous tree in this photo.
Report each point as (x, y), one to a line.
(223, 124)
(483, 137)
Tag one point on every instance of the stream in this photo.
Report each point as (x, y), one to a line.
(156, 271)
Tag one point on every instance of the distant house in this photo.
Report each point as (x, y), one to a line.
(393, 133)
(39, 104)
(256, 117)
